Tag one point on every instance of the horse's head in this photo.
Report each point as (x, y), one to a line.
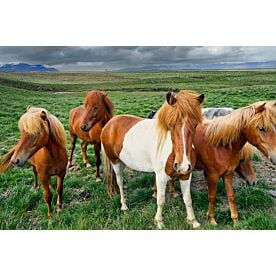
(261, 130)
(185, 116)
(34, 128)
(97, 105)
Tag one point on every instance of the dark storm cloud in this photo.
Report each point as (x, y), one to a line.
(100, 58)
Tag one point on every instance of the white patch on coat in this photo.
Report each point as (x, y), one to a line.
(139, 151)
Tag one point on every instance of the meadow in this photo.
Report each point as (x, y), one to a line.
(85, 202)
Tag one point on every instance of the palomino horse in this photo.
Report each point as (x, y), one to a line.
(43, 144)
(86, 122)
(163, 146)
(218, 144)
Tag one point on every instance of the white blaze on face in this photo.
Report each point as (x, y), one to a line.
(185, 164)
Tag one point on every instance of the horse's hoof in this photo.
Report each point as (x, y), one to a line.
(159, 224)
(194, 223)
(88, 165)
(34, 189)
(98, 179)
(213, 222)
(175, 194)
(124, 208)
(236, 222)
(59, 208)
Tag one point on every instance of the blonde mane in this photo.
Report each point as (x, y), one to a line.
(32, 123)
(227, 129)
(187, 107)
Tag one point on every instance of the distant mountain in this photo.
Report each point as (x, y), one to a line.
(212, 66)
(24, 67)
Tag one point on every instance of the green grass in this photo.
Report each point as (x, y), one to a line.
(86, 204)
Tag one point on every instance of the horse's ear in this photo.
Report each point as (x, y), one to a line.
(201, 98)
(171, 98)
(28, 107)
(260, 108)
(43, 115)
(105, 94)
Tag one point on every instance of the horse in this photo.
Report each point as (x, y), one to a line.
(218, 144)
(162, 146)
(244, 169)
(212, 112)
(43, 144)
(86, 122)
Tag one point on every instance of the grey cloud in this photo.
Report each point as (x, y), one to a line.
(100, 58)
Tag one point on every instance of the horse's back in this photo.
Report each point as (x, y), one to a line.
(113, 134)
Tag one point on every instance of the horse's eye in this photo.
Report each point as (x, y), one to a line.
(261, 129)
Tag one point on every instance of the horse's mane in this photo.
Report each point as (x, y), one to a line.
(187, 107)
(246, 151)
(32, 123)
(226, 130)
(102, 96)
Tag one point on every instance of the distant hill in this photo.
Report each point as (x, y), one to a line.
(212, 66)
(24, 67)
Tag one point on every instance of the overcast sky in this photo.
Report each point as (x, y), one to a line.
(114, 58)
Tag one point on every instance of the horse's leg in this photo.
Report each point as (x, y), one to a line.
(161, 183)
(72, 148)
(185, 188)
(50, 183)
(172, 188)
(59, 191)
(212, 182)
(35, 178)
(47, 193)
(154, 190)
(97, 150)
(228, 182)
(118, 169)
(84, 154)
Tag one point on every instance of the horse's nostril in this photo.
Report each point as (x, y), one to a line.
(16, 161)
(176, 166)
(189, 167)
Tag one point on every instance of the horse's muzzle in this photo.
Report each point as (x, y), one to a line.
(17, 162)
(85, 128)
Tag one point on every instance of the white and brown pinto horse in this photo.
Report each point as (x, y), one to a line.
(163, 146)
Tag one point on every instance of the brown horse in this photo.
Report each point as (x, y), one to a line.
(86, 122)
(43, 144)
(219, 142)
(163, 146)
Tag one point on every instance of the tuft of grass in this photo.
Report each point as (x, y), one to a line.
(253, 198)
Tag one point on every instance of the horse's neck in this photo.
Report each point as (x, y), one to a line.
(105, 119)
(238, 145)
(53, 148)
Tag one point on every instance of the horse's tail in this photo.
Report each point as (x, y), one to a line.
(5, 163)
(109, 175)
(246, 152)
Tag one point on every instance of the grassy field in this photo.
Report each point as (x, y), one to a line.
(86, 205)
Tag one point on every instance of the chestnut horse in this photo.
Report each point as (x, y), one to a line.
(43, 144)
(218, 144)
(163, 146)
(86, 122)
